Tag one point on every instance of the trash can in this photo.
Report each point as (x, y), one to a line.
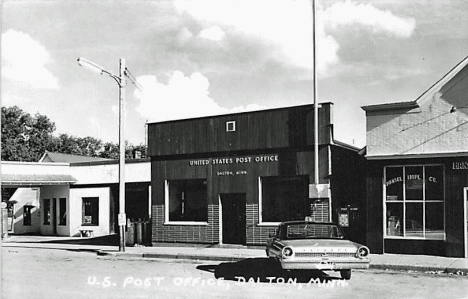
(139, 232)
(148, 232)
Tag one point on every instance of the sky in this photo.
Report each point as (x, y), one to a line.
(208, 57)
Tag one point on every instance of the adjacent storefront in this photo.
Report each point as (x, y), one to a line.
(417, 176)
(73, 199)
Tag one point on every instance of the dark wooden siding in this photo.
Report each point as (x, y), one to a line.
(455, 181)
(374, 208)
(348, 185)
(268, 129)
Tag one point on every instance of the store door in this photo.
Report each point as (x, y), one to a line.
(233, 218)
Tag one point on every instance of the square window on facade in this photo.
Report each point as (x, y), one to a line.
(394, 183)
(434, 178)
(414, 183)
(46, 210)
(230, 126)
(188, 200)
(394, 218)
(284, 198)
(62, 211)
(27, 210)
(90, 211)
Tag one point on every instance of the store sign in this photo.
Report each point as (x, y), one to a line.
(228, 173)
(234, 160)
(459, 165)
(393, 181)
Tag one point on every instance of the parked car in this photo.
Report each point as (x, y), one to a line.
(302, 245)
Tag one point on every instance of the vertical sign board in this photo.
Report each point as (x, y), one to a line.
(122, 219)
(343, 217)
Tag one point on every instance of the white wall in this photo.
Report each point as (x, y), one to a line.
(10, 167)
(109, 173)
(76, 207)
(30, 197)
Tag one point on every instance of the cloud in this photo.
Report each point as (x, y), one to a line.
(183, 36)
(182, 97)
(286, 25)
(24, 60)
(376, 20)
(213, 33)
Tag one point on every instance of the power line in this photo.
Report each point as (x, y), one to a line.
(432, 138)
(133, 79)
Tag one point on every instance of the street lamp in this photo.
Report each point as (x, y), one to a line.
(120, 79)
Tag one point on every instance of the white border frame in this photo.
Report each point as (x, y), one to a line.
(166, 210)
(220, 219)
(228, 123)
(260, 199)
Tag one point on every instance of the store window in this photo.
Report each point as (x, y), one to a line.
(414, 202)
(186, 200)
(63, 211)
(27, 211)
(90, 211)
(284, 198)
(46, 211)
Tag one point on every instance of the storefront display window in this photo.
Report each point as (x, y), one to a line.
(284, 198)
(394, 183)
(414, 202)
(187, 200)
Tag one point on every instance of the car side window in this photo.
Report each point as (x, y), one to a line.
(279, 232)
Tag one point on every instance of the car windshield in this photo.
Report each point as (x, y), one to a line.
(312, 231)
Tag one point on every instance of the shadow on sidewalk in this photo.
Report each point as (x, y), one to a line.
(262, 270)
(108, 240)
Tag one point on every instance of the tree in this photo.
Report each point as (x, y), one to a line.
(24, 137)
(87, 146)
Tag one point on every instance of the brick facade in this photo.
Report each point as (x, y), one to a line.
(255, 234)
(186, 233)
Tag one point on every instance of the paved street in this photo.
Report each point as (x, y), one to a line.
(53, 273)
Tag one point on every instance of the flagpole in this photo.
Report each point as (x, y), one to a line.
(316, 147)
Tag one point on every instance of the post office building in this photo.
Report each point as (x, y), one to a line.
(230, 179)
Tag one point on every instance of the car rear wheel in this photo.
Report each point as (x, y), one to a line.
(346, 274)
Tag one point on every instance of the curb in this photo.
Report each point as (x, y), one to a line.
(407, 268)
(174, 256)
(410, 268)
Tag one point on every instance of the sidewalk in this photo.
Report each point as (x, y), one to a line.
(399, 262)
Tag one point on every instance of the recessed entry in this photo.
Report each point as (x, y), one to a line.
(230, 126)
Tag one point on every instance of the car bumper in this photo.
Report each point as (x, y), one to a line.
(324, 265)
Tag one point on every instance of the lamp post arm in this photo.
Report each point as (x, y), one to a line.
(99, 69)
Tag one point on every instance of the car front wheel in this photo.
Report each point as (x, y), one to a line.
(346, 274)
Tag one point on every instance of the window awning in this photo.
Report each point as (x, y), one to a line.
(36, 179)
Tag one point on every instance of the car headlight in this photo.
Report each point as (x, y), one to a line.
(362, 252)
(287, 252)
